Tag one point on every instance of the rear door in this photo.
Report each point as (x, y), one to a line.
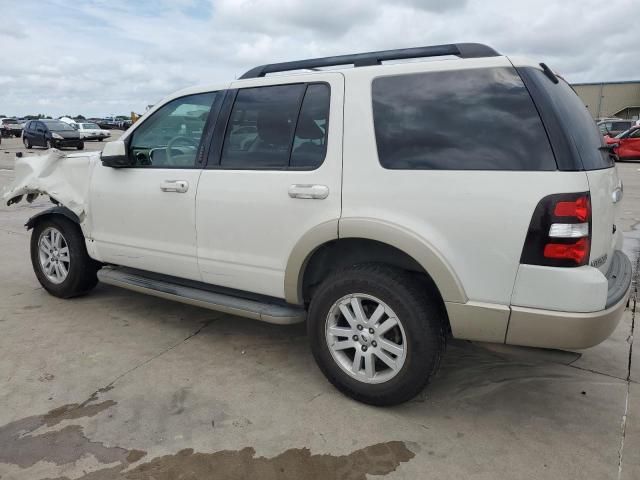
(273, 175)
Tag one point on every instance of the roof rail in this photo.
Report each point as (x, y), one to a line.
(462, 50)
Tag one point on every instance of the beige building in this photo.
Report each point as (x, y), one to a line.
(611, 99)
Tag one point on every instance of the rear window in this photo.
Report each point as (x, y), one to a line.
(476, 119)
(9, 121)
(620, 126)
(576, 121)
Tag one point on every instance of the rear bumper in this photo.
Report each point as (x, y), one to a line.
(535, 327)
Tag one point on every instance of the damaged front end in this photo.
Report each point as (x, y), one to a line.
(64, 178)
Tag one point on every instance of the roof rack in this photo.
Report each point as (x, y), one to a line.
(462, 50)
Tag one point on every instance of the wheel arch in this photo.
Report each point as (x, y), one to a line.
(383, 241)
(59, 210)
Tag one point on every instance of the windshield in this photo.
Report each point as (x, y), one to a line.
(58, 126)
(617, 126)
(90, 126)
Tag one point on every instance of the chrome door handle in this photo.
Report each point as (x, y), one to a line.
(176, 186)
(315, 192)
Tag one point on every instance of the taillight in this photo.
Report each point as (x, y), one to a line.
(579, 209)
(560, 231)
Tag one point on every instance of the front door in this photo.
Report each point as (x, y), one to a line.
(276, 176)
(629, 147)
(144, 216)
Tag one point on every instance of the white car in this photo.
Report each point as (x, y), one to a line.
(387, 205)
(91, 131)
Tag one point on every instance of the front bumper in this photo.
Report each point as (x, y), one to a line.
(534, 327)
(67, 142)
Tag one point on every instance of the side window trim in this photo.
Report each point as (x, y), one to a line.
(209, 128)
(214, 150)
(295, 126)
(216, 143)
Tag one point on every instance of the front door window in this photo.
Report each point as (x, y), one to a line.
(170, 138)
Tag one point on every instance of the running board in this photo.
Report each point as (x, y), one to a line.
(221, 302)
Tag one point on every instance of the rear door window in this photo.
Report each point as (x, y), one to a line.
(277, 127)
(475, 119)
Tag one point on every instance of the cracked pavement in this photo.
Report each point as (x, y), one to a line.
(122, 385)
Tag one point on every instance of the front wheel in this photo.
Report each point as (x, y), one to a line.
(27, 142)
(80, 146)
(49, 144)
(60, 259)
(376, 333)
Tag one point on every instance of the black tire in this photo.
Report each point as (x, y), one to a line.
(100, 139)
(82, 269)
(420, 313)
(17, 135)
(27, 142)
(81, 146)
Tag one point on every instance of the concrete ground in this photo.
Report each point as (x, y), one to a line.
(119, 385)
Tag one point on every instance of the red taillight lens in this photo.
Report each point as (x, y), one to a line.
(578, 251)
(579, 209)
(560, 231)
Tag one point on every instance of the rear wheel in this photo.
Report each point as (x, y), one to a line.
(81, 146)
(60, 259)
(376, 334)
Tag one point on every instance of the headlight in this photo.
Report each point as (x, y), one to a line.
(56, 136)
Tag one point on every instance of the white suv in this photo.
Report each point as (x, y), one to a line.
(388, 205)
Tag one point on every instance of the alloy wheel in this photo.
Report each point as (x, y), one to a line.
(366, 338)
(53, 252)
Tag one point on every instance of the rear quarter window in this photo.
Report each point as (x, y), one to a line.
(475, 119)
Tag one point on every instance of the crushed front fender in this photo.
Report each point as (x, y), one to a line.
(64, 178)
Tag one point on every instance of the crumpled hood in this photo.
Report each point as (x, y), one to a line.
(64, 178)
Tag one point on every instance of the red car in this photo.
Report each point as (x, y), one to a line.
(628, 144)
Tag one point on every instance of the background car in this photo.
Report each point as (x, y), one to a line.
(91, 131)
(10, 127)
(107, 124)
(628, 144)
(614, 126)
(51, 134)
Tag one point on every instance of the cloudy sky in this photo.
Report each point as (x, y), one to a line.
(101, 57)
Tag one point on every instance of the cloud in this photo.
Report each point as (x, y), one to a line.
(101, 57)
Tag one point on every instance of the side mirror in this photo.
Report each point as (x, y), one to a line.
(115, 155)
